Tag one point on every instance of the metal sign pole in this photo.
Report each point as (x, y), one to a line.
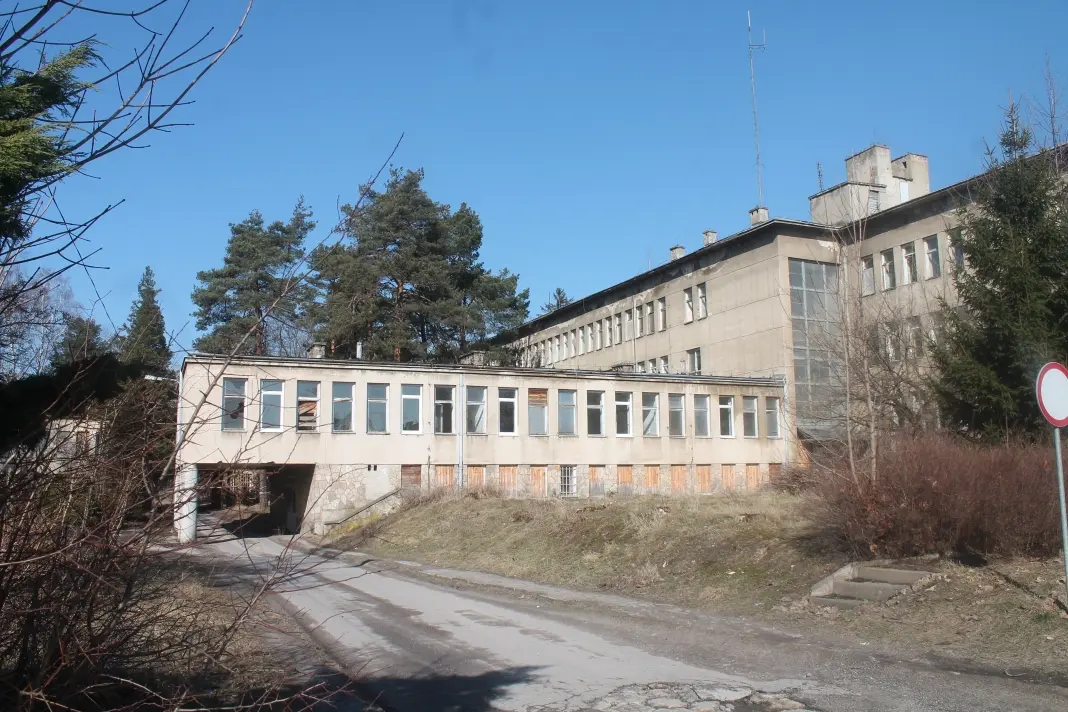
(1064, 512)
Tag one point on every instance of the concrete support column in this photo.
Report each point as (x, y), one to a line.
(185, 503)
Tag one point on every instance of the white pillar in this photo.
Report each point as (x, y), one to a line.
(185, 504)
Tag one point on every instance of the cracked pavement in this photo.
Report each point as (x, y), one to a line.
(415, 640)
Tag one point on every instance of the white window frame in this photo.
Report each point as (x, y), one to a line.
(651, 426)
(933, 256)
(280, 392)
(418, 398)
(334, 400)
(597, 335)
(581, 341)
(652, 365)
(910, 267)
(867, 275)
(676, 407)
(441, 402)
(702, 300)
(556, 349)
(243, 406)
(385, 401)
(568, 480)
(628, 325)
(639, 321)
(627, 402)
(772, 418)
(687, 305)
(726, 403)
(565, 349)
(480, 410)
(619, 328)
(574, 343)
(545, 413)
(663, 364)
(661, 312)
(702, 402)
(607, 331)
(599, 408)
(750, 416)
(693, 360)
(650, 319)
(317, 400)
(561, 394)
(514, 400)
(888, 271)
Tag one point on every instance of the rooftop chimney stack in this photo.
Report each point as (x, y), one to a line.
(758, 215)
(711, 236)
(677, 251)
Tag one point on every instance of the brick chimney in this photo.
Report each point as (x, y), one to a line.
(758, 215)
(677, 251)
(711, 236)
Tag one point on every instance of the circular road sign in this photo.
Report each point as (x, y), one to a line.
(1052, 390)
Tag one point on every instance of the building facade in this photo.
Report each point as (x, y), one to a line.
(336, 435)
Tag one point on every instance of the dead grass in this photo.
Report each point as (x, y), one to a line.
(754, 554)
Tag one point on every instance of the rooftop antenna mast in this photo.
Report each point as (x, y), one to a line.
(756, 125)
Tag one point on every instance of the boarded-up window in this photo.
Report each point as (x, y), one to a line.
(774, 471)
(727, 473)
(443, 475)
(704, 478)
(476, 476)
(538, 411)
(678, 478)
(537, 481)
(596, 477)
(652, 477)
(411, 475)
(508, 479)
(752, 477)
(624, 478)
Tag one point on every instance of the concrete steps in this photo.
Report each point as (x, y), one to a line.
(856, 584)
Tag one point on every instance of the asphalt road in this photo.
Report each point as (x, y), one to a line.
(421, 644)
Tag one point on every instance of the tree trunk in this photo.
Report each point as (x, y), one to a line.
(264, 498)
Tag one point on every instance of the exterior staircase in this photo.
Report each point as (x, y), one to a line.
(856, 584)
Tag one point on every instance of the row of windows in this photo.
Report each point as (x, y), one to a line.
(910, 261)
(271, 397)
(627, 325)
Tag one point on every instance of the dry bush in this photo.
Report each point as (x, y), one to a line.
(937, 494)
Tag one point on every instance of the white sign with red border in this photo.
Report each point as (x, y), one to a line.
(1052, 390)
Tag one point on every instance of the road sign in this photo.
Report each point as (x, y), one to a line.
(1052, 390)
(1051, 387)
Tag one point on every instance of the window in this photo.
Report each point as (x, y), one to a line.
(597, 335)
(873, 202)
(957, 244)
(628, 325)
(270, 404)
(687, 304)
(676, 415)
(307, 405)
(749, 416)
(934, 333)
(771, 413)
(915, 336)
(565, 402)
(622, 413)
(377, 407)
(663, 364)
(892, 335)
(649, 323)
(619, 329)
(538, 411)
(608, 331)
(443, 410)
(814, 312)
(908, 255)
(652, 365)
(726, 416)
(564, 346)
(934, 262)
(700, 416)
(661, 313)
(568, 483)
(574, 343)
(867, 275)
(693, 360)
(903, 191)
(595, 412)
(640, 366)
(639, 314)
(889, 278)
(651, 414)
(476, 409)
(233, 404)
(411, 408)
(702, 301)
(506, 411)
(556, 349)
(341, 407)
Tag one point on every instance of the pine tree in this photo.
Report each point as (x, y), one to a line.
(558, 299)
(1013, 287)
(83, 339)
(258, 289)
(145, 340)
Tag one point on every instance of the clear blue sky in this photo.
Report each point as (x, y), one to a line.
(589, 136)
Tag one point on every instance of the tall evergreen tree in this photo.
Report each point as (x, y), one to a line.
(1013, 286)
(258, 289)
(145, 341)
(83, 339)
(558, 299)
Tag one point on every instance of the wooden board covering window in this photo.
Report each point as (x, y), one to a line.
(411, 475)
(624, 477)
(652, 477)
(704, 478)
(537, 481)
(476, 476)
(307, 416)
(508, 479)
(596, 478)
(727, 473)
(538, 396)
(443, 475)
(678, 478)
(752, 477)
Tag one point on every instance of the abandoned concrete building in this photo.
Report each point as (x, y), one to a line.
(335, 435)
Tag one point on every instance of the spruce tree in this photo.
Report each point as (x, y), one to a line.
(145, 341)
(82, 340)
(558, 299)
(1013, 289)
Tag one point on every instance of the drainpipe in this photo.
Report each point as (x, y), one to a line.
(462, 478)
